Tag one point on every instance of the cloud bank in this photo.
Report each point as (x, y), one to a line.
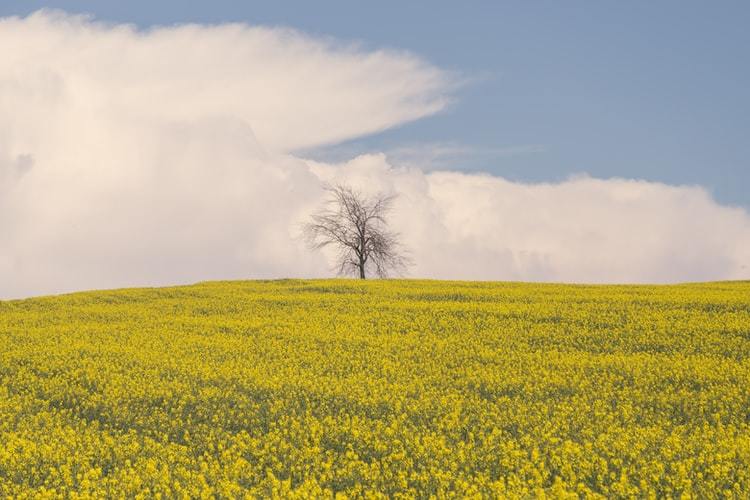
(168, 156)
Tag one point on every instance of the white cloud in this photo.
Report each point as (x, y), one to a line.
(295, 91)
(167, 156)
(476, 226)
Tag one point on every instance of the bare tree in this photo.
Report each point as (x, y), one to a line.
(356, 225)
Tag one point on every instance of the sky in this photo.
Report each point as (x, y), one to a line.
(584, 143)
(648, 90)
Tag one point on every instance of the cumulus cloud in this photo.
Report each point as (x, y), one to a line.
(167, 156)
(477, 226)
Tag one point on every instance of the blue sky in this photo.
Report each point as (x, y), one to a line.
(652, 90)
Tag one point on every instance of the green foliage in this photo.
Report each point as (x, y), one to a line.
(378, 389)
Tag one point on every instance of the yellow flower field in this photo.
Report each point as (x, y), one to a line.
(378, 389)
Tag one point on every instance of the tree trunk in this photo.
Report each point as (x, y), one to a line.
(362, 258)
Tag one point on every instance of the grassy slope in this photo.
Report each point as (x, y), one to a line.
(399, 386)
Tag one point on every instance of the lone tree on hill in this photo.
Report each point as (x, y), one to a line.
(357, 227)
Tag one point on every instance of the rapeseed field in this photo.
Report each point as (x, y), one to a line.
(401, 389)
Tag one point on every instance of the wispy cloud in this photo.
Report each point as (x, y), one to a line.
(424, 155)
(439, 156)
